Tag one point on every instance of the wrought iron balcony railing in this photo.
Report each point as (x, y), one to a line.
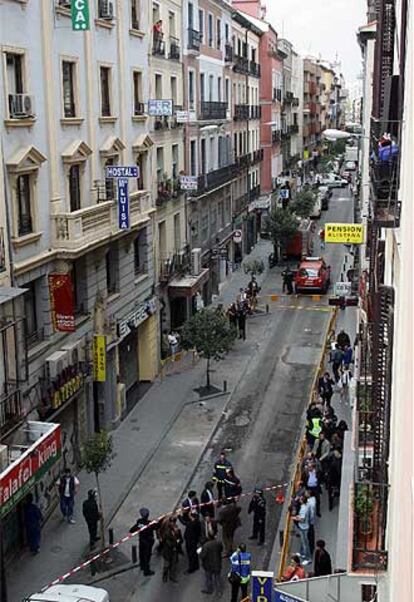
(369, 522)
(213, 110)
(194, 39)
(158, 45)
(214, 179)
(241, 112)
(254, 69)
(256, 156)
(276, 136)
(228, 53)
(241, 64)
(167, 190)
(255, 111)
(174, 52)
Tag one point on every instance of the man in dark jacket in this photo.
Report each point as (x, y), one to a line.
(232, 486)
(207, 500)
(192, 535)
(258, 507)
(91, 515)
(189, 506)
(229, 519)
(211, 560)
(337, 356)
(334, 473)
(219, 474)
(323, 564)
(146, 541)
(343, 340)
(33, 520)
(325, 387)
(241, 321)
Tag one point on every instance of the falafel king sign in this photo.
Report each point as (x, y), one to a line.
(20, 476)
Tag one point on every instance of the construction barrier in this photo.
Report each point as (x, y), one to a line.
(302, 446)
(185, 358)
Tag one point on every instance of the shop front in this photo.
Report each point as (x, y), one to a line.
(260, 208)
(183, 292)
(28, 456)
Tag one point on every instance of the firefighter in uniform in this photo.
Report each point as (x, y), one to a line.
(220, 472)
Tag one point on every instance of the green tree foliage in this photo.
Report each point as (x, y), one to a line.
(97, 456)
(209, 332)
(304, 203)
(283, 225)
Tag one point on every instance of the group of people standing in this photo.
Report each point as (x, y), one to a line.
(244, 305)
(321, 466)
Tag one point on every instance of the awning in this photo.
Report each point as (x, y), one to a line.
(187, 286)
(142, 143)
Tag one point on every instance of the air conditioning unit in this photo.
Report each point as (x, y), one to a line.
(56, 363)
(195, 262)
(4, 457)
(76, 351)
(106, 10)
(20, 106)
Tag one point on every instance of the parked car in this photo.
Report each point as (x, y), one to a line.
(313, 275)
(333, 181)
(350, 165)
(71, 593)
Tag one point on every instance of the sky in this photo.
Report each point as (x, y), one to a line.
(324, 28)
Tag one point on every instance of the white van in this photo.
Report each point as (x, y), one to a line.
(71, 593)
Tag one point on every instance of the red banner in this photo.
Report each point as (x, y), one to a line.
(61, 299)
(19, 478)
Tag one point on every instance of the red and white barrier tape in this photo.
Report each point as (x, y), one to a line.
(153, 523)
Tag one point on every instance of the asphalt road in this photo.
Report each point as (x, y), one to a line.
(261, 424)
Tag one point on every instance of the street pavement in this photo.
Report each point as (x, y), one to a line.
(170, 439)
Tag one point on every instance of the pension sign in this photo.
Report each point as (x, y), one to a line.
(80, 15)
(351, 234)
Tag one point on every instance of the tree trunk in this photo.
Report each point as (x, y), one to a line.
(101, 508)
(208, 373)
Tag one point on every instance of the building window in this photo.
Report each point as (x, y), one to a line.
(203, 155)
(202, 86)
(227, 92)
(75, 187)
(79, 282)
(30, 311)
(137, 85)
(201, 24)
(105, 79)
(109, 182)
(204, 227)
(226, 33)
(140, 253)
(218, 34)
(173, 85)
(141, 171)
(193, 158)
(177, 232)
(68, 88)
(210, 34)
(112, 270)
(162, 239)
(191, 92)
(219, 86)
(210, 87)
(175, 167)
(160, 164)
(135, 12)
(158, 86)
(24, 204)
(16, 89)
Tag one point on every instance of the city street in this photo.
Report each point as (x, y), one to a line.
(259, 422)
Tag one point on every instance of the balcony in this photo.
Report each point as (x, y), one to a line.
(369, 519)
(256, 156)
(161, 122)
(174, 53)
(294, 128)
(277, 94)
(174, 264)
(288, 98)
(167, 190)
(194, 40)
(228, 53)
(241, 112)
(384, 178)
(295, 101)
(241, 64)
(254, 69)
(11, 411)
(214, 179)
(211, 110)
(255, 111)
(76, 231)
(158, 45)
(254, 193)
(242, 161)
(276, 136)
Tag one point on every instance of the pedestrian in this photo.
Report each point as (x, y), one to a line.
(173, 343)
(334, 476)
(208, 528)
(241, 321)
(33, 521)
(146, 540)
(189, 505)
(344, 382)
(337, 359)
(313, 424)
(232, 315)
(239, 576)
(241, 297)
(192, 536)
(91, 515)
(312, 479)
(302, 521)
(322, 238)
(229, 520)
(68, 486)
(322, 449)
(294, 571)
(311, 501)
(325, 388)
(211, 561)
(258, 507)
(288, 277)
(207, 507)
(343, 339)
(219, 474)
(232, 486)
(171, 540)
(323, 564)
(347, 359)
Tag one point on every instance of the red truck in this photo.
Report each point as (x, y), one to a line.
(301, 244)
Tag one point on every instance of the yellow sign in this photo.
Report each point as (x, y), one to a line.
(99, 358)
(344, 233)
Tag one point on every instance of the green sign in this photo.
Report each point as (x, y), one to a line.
(80, 15)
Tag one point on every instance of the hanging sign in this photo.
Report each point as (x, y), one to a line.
(80, 15)
(62, 303)
(344, 233)
(160, 108)
(123, 204)
(99, 358)
(188, 182)
(122, 171)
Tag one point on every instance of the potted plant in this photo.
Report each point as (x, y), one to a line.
(364, 505)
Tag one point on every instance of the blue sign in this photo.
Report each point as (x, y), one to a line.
(160, 108)
(123, 204)
(262, 586)
(284, 193)
(283, 597)
(122, 171)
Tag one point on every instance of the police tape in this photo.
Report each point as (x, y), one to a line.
(279, 499)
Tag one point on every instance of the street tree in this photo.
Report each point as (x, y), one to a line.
(304, 203)
(283, 225)
(97, 456)
(210, 334)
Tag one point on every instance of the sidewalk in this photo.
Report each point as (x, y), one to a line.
(162, 417)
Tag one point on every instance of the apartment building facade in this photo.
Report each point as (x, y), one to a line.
(290, 106)
(72, 104)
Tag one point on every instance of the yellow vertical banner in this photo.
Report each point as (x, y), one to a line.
(99, 358)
